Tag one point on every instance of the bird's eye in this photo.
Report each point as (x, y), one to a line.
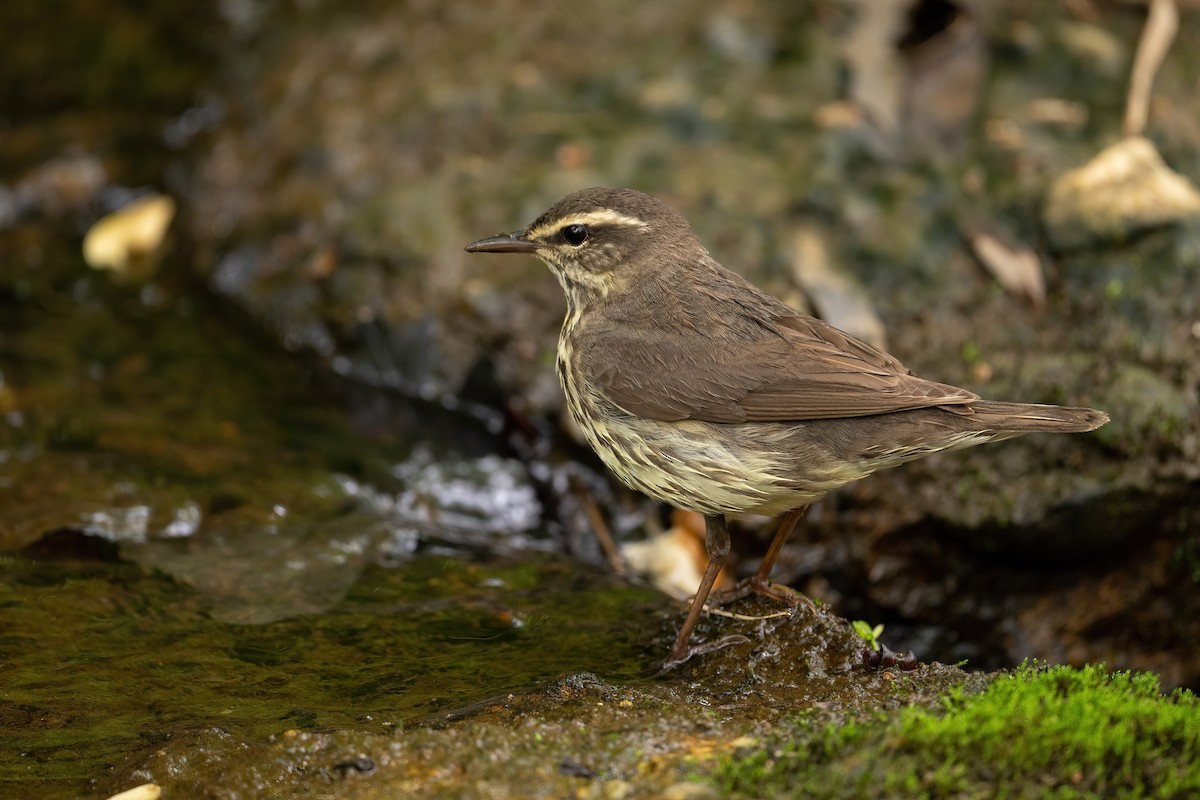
(575, 234)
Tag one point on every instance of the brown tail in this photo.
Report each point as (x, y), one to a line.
(1028, 417)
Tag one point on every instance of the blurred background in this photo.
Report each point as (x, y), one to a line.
(259, 409)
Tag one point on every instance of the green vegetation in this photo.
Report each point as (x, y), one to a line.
(867, 632)
(1058, 732)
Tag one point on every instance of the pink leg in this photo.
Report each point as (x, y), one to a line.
(716, 541)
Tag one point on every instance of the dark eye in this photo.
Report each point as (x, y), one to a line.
(575, 234)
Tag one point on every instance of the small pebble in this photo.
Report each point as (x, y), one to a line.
(690, 791)
(147, 791)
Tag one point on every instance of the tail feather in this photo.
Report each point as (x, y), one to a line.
(1030, 417)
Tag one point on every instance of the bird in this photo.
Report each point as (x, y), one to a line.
(700, 390)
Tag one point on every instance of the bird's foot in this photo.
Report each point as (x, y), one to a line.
(679, 655)
(756, 585)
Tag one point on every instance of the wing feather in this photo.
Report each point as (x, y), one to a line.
(789, 368)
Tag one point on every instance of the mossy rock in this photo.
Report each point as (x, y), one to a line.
(1057, 732)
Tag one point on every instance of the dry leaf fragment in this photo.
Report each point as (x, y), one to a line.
(837, 297)
(129, 241)
(1017, 268)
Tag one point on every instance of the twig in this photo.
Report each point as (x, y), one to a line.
(603, 536)
(720, 612)
(1162, 23)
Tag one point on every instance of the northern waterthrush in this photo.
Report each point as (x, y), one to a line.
(702, 391)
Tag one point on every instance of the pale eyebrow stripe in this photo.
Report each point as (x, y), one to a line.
(603, 216)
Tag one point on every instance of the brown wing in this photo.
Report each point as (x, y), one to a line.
(795, 368)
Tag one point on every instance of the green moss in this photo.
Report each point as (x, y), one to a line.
(1057, 732)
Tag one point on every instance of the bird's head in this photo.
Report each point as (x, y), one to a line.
(601, 241)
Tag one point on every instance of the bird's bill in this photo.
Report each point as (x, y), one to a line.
(504, 243)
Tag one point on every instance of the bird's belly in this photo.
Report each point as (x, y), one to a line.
(712, 468)
(692, 472)
(699, 466)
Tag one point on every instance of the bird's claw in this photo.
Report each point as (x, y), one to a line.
(677, 658)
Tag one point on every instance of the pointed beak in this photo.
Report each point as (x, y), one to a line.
(504, 243)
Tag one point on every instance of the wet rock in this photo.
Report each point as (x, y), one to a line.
(60, 186)
(490, 492)
(1125, 189)
(1148, 412)
(578, 735)
(796, 659)
(505, 749)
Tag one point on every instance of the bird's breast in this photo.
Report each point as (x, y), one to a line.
(689, 464)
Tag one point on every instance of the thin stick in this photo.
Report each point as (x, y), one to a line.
(1162, 23)
(600, 528)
